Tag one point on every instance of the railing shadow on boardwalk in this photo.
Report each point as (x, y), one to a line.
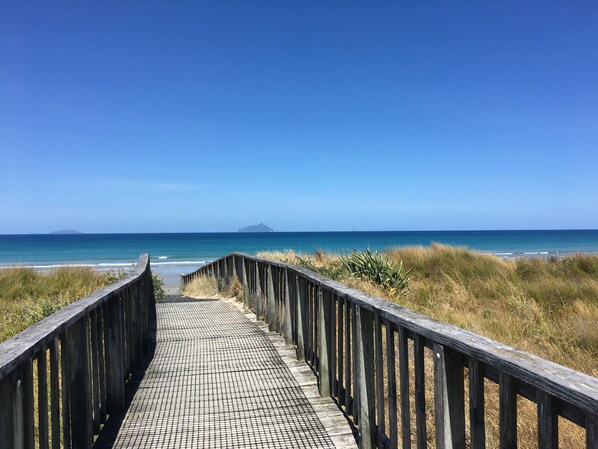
(367, 352)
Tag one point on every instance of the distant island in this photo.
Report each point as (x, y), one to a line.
(66, 231)
(256, 228)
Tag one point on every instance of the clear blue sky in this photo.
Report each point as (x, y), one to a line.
(194, 116)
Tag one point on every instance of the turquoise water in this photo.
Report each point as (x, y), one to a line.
(173, 254)
(185, 250)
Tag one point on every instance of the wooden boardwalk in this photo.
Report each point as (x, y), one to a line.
(219, 379)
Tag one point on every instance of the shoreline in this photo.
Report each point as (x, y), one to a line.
(163, 262)
(171, 269)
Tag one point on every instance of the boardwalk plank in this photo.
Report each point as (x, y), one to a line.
(217, 379)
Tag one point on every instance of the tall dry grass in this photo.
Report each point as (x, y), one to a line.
(206, 287)
(27, 296)
(548, 307)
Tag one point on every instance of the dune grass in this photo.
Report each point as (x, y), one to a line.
(27, 296)
(206, 287)
(548, 307)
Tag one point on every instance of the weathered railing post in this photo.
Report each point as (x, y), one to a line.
(301, 318)
(548, 436)
(288, 325)
(591, 430)
(271, 312)
(476, 405)
(233, 267)
(324, 337)
(508, 411)
(245, 282)
(113, 328)
(77, 348)
(258, 293)
(449, 398)
(11, 412)
(364, 350)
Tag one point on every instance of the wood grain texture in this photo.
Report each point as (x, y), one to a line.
(476, 405)
(507, 397)
(449, 398)
(364, 348)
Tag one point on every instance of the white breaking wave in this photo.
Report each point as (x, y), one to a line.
(105, 265)
(185, 262)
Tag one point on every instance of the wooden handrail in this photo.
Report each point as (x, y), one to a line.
(80, 358)
(339, 331)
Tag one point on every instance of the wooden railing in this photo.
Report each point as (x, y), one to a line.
(60, 378)
(354, 342)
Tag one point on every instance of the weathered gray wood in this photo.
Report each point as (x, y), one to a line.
(259, 308)
(333, 348)
(126, 340)
(233, 267)
(279, 296)
(392, 385)
(288, 320)
(348, 358)
(507, 397)
(301, 318)
(212, 395)
(28, 405)
(245, 283)
(54, 394)
(113, 331)
(355, 364)
(404, 389)
(271, 311)
(571, 387)
(64, 389)
(548, 422)
(42, 399)
(591, 431)
(476, 405)
(420, 393)
(449, 397)
(79, 384)
(324, 341)
(340, 386)
(310, 323)
(380, 419)
(102, 361)
(9, 412)
(95, 372)
(135, 326)
(366, 390)
(136, 318)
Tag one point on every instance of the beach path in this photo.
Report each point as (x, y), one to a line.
(218, 378)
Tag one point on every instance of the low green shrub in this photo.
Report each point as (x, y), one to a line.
(378, 269)
(159, 290)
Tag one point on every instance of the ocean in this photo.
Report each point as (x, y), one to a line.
(183, 252)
